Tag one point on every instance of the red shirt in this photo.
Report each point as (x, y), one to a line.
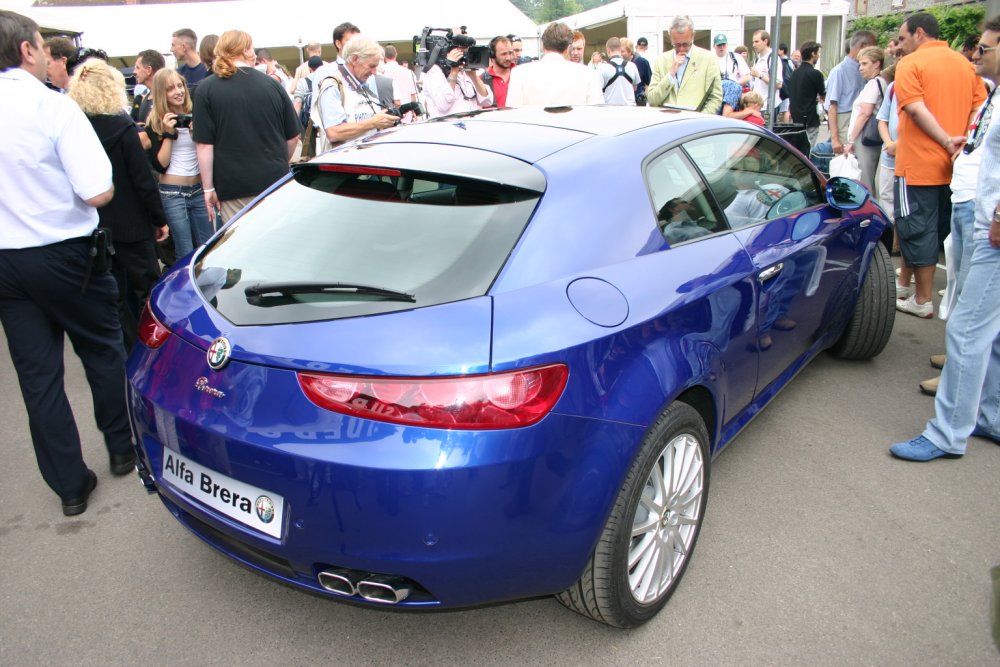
(499, 88)
(755, 120)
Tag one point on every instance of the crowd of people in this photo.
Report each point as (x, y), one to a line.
(196, 143)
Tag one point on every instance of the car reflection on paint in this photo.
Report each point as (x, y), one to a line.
(463, 362)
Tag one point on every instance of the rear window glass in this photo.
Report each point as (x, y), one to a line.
(343, 241)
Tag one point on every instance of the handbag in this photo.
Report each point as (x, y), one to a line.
(869, 133)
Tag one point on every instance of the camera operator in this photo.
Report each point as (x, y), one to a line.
(457, 89)
(345, 107)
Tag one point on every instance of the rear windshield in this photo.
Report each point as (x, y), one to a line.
(344, 241)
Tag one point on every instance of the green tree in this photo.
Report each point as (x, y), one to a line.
(956, 23)
(552, 10)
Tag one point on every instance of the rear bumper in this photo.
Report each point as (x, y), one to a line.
(470, 517)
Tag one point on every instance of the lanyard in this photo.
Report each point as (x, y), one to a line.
(979, 126)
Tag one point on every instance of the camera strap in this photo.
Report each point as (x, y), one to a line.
(356, 86)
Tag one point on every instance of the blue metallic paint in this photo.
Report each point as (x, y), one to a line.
(694, 319)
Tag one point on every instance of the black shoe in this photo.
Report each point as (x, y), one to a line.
(122, 464)
(78, 505)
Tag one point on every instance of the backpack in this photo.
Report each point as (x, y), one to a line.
(619, 71)
(315, 116)
(307, 103)
(786, 75)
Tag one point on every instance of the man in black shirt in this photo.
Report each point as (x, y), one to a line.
(806, 86)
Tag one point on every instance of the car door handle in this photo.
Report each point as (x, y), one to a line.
(770, 272)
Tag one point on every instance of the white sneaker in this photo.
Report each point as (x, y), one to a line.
(910, 305)
(903, 292)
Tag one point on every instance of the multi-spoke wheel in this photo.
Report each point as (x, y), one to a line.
(649, 536)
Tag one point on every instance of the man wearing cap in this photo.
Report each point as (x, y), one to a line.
(732, 66)
(645, 70)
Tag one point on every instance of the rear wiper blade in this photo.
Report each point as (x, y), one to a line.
(258, 290)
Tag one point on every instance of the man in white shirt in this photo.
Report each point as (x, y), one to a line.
(761, 70)
(553, 80)
(401, 77)
(732, 65)
(48, 286)
(619, 77)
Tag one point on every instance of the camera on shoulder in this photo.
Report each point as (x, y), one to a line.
(433, 45)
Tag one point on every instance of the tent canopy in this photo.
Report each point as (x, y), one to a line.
(125, 30)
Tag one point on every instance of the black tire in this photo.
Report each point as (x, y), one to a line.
(868, 331)
(604, 591)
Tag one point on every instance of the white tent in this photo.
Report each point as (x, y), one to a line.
(823, 21)
(125, 30)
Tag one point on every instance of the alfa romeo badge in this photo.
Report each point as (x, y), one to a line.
(218, 353)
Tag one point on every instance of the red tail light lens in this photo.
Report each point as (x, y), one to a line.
(494, 401)
(152, 333)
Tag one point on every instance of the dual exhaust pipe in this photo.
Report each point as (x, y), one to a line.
(383, 588)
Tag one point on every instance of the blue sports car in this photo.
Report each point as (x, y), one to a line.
(492, 356)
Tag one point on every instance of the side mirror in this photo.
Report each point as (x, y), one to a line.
(845, 194)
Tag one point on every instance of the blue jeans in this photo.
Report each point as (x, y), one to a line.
(187, 216)
(968, 397)
(963, 219)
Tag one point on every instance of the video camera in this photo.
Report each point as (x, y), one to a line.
(404, 109)
(432, 48)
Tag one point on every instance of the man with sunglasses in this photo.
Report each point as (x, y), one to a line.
(968, 397)
(686, 76)
(938, 96)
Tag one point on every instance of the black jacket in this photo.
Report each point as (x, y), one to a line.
(136, 208)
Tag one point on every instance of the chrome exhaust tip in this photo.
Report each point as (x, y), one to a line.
(384, 588)
(340, 581)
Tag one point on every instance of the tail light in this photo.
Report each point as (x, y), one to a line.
(494, 401)
(152, 333)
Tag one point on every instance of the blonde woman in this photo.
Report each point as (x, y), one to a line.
(135, 215)
(246, 129)
(866, 105)
(176, 160)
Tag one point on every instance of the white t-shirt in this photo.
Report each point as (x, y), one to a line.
(620, 92)
(757, 83)
(731, 70)
(870, 94)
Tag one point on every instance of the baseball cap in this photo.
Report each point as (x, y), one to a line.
(720, 39)
(315, 62)
(642, 41)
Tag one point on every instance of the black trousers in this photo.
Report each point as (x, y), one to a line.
(136, 269)
(40, 305)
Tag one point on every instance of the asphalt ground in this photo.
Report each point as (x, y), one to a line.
(818, 549)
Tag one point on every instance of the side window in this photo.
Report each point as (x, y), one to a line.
(684, 211)
(754, 178)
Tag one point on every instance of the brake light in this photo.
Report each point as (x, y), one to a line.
(364, 171)
(152, 333)
(494, 401)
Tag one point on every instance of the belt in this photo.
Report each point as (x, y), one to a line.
(78, 239)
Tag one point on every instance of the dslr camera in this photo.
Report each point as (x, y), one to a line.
(183, 120)
(433, 45)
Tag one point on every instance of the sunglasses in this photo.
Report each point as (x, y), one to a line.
(984, 49)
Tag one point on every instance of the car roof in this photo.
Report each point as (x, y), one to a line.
(530, 133)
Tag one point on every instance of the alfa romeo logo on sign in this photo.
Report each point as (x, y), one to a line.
(265, 509)
(218, 353)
